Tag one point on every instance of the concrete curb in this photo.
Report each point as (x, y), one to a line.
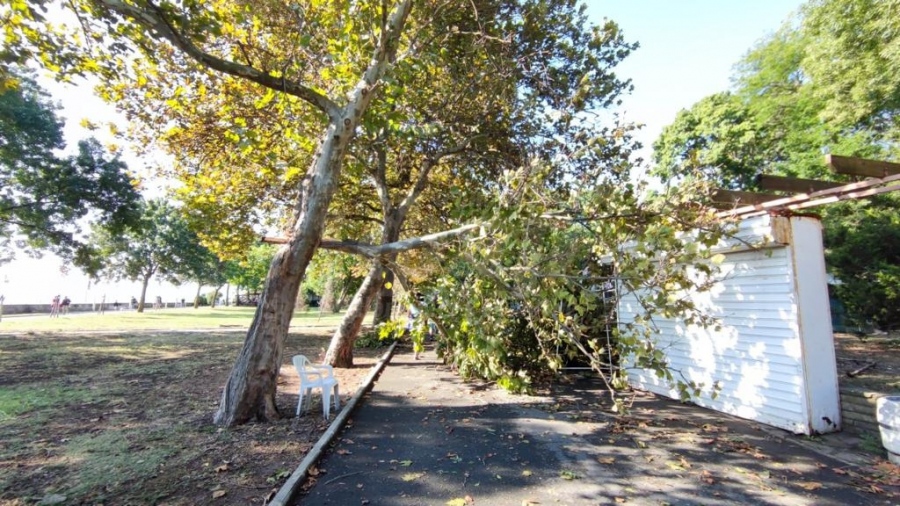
(289, 490)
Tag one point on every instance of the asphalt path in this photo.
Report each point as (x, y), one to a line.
(423, 436)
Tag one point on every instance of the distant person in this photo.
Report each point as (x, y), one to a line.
(158, 303)
(64, 305)
(182, 303)
(116, 305)
(54, 307)
(133, 303)
(102, 304)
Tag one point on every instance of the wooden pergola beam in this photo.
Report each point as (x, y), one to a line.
(793, 184)
(846, 192)
(861, 166)
(730, 198)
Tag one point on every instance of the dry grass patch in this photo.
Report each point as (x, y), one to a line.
(119, 418)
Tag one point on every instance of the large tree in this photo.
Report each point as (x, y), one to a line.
(233, 38)
(45, 197)
(320, 65)
(507, 77)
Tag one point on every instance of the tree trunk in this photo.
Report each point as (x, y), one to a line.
(250, 390)
(340, 351)
(385, 302)
(215, 296)
(146, 281)
(393, 222)
(197, 297)
(327, 302)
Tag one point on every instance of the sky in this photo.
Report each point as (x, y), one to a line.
(687, 51)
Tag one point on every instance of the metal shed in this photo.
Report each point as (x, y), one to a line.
(773, 355)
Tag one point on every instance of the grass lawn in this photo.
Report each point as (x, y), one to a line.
(162, 319)
(125, 416)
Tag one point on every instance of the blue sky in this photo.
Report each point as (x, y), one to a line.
(688, 49)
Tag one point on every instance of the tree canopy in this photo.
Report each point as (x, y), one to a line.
(159, 245)
(275, 105)
(45, 198)
(824, 83)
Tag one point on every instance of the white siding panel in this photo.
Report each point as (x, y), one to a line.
(760, 356)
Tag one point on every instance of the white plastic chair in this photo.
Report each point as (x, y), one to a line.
(316, 376)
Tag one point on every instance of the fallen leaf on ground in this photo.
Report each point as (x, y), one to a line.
(675, 466)
(405, 463)
(608, 461)
(218, 493)
(412, 476)
(810, 485)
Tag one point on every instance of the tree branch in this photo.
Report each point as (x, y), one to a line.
(154, 20)
(376, 251)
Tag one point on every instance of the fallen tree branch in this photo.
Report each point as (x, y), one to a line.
(376, 251)
(860, 370)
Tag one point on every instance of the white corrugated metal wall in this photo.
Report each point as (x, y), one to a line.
(762, 355)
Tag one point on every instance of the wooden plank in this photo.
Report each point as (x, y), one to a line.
(793, 184)
(861, 166)
(848, 191)
(732, 197)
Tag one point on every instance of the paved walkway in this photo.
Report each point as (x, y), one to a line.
(424, 437)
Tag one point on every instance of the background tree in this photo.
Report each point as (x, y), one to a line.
(816, 86)
(151, 248)
(250, 272)
(46, 198)
(200, 265)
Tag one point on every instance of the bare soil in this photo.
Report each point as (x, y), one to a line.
(112, 418)
(870, 362)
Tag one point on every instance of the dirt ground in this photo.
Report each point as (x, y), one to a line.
(113, 418)
(127, 419)
(871, 362)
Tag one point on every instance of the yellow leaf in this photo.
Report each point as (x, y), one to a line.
(717, 258)
(388, 285)
(412, 476)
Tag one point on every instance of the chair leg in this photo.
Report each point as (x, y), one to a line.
(337, 398)
(309, 399)
(326, 402)
(299, 401)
